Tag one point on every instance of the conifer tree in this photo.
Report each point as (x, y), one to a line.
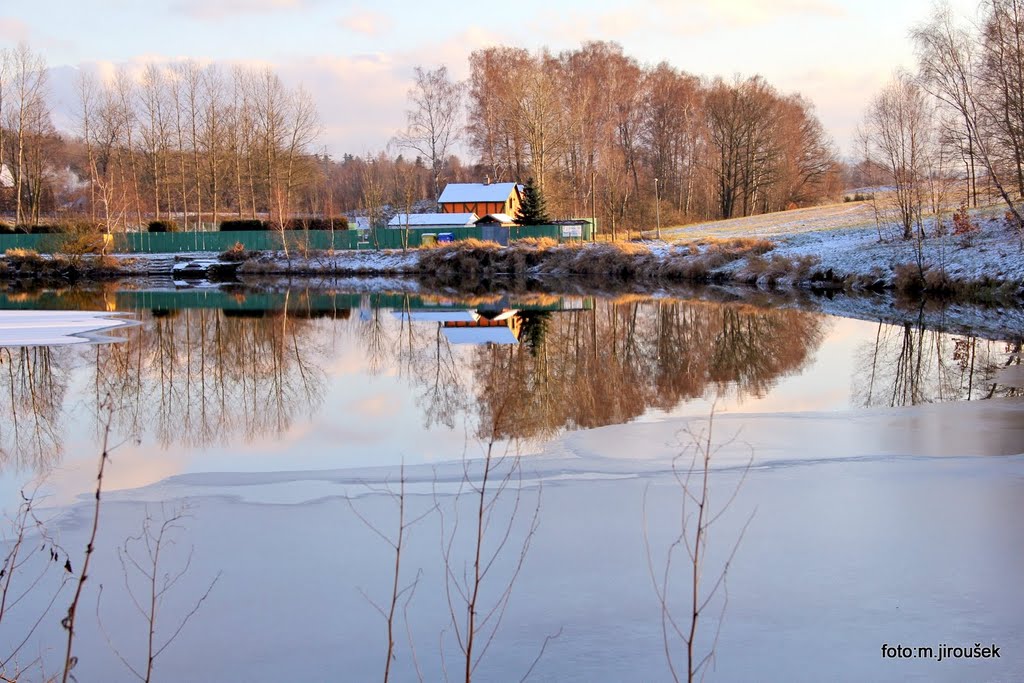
(534, 209)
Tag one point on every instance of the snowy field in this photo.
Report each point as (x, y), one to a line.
(863, 528)
(847, 239)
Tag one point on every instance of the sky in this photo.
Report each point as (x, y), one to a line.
(357, 57)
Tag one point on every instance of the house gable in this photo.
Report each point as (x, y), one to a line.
(481, 198)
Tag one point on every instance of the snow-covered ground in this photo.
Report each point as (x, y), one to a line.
(863, 528)
(847, 239)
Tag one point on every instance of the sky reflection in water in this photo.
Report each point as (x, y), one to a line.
(299, 380)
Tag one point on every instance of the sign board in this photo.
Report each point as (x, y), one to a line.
(572, 231)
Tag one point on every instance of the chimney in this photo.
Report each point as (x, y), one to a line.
(487, 180)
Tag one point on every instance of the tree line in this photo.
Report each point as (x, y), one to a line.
(603, 134)
(184, 141)
(599, 132)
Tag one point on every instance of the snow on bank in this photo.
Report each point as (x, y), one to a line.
(866, 528)
(57, 328)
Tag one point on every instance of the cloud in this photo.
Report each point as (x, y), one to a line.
(210, 10)
(660, 18)
(361, 98)
(13, 29)
(366, 22)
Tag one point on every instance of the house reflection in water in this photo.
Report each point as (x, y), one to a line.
(489, 324)
(464, 326)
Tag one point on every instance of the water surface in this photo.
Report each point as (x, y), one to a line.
(238, 381)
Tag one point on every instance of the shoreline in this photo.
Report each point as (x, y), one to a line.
(399, 272)
(988, 271)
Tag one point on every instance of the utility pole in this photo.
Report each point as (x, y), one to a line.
(593, 205)
(657, 208)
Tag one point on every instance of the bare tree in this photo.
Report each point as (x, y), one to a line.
(69, 621)
(400, 592)
(155, 129)
(899, 129)
(477, 593)
(433, 120)
(691, 470)
(144, 556)
(28, 89)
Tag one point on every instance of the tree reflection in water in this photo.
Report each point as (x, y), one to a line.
(910, 364)
(589, 368)
(204, 376)
(33, 382)
(199, 377)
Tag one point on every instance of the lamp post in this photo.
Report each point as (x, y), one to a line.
(657, 208)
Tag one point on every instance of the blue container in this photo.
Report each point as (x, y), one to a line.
(445, 237)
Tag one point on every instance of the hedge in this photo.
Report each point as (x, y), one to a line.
(243, 224)
(162, 226)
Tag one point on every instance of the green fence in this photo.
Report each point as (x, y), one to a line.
(297, 240)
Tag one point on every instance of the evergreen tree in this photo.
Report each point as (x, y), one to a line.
(534, 209)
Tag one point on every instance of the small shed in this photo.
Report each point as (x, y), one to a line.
(432, 220)
(575, 228)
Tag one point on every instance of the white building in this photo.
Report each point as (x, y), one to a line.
(433, 220)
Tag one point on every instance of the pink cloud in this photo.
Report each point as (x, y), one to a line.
(13, 29)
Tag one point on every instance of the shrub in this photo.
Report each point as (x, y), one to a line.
(771, 270)
(38, 229)
(907, 278)
(339, 223)
(22, 257)
(83, 226)
(105, 264)
(236, 254)
(243, 224)
(162, 226)
(963, 226)
(937, 281)
(82, 237)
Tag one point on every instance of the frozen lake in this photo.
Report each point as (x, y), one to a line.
(863, 481)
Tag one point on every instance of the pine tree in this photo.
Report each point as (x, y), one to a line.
(534, 209)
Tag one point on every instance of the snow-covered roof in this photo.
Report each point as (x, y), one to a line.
(476, 192)
(480, 335)
(459, 316)
(432, 220)
(502, 218)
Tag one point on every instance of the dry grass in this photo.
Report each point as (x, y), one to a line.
(236, 254)
(474, 260)
(541, 243)
(700, 259)
(19, 258)
(735, 245)
(770, 270)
